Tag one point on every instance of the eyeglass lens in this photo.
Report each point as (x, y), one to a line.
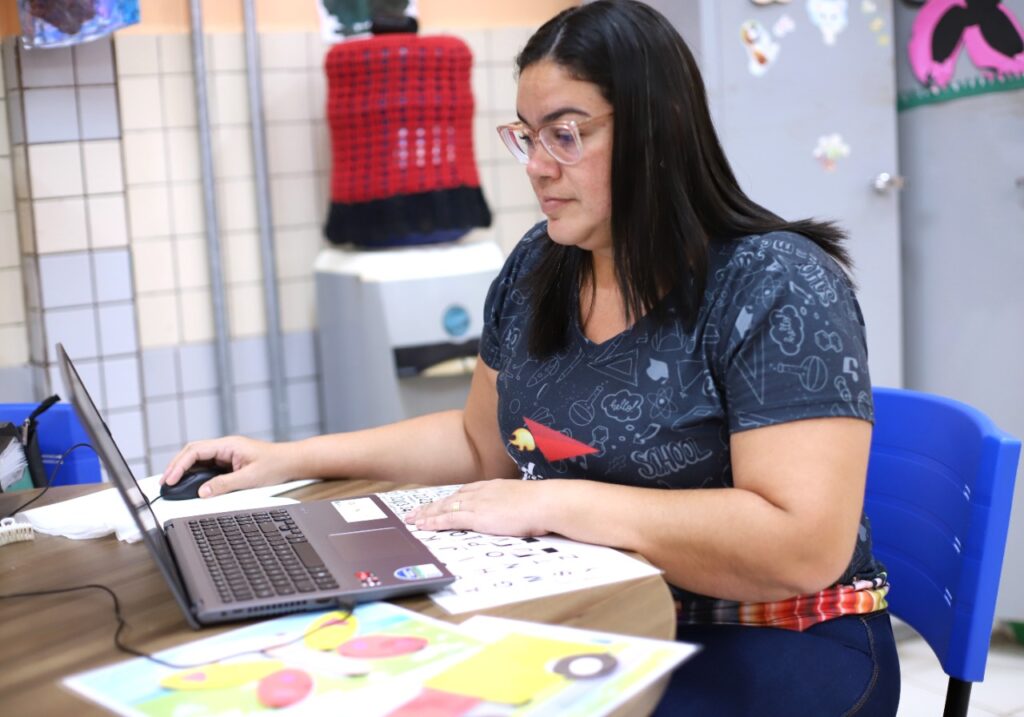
(560, 140)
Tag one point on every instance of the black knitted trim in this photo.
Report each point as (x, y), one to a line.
(406, 219)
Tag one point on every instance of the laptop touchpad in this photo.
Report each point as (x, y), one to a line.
(379, 543)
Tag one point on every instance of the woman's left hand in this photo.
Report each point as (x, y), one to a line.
(497, 507)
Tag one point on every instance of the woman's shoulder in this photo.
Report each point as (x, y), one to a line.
(518, 263)
(533, 238)
(775, 252)
(527, 250)
(772, 269)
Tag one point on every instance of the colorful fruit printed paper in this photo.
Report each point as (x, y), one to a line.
(407, 664)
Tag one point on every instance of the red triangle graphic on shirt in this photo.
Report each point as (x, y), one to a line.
(555, 446)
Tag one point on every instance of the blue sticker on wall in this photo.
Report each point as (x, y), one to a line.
(455, 320)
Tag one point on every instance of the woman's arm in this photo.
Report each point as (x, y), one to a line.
(788, 527)
(457, 446)
(438, 448)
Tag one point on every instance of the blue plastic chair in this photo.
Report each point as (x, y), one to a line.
(940, 484)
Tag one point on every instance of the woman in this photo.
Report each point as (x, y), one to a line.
(675, 369)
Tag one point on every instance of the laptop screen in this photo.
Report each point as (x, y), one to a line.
(121, 475)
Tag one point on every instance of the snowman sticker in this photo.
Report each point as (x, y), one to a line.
(829, 16)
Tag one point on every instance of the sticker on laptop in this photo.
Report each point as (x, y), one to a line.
(418, 572)
(358, 510)
(367, 578)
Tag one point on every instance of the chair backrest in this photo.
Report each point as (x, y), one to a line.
(939, 489)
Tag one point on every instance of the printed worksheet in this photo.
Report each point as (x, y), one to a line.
(372, 661)
(495, 570)
(384, 661)
(556, 670)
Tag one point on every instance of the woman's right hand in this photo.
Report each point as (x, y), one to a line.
(253, 463)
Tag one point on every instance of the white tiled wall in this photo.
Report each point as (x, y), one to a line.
(104, 173)
(103, 181)
(503, 180)
(293, 91)
(108, 224)
(154, 91)
(69, 248)
(13, 331)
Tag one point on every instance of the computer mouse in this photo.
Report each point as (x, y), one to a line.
(188, 486)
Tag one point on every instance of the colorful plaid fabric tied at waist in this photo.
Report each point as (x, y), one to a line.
(797, 613)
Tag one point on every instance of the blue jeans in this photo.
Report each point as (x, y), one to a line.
(845, 666)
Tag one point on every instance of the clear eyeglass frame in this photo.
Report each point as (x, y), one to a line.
(561, 139)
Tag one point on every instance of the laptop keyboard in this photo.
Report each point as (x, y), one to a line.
(259, 555)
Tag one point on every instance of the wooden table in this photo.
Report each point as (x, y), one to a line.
(44, 639)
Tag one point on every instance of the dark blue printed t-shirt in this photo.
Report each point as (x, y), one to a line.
(779, 337)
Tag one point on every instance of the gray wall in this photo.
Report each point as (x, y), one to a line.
(962, 229)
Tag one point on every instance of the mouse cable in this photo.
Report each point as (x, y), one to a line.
(49, 479)
(347, 608)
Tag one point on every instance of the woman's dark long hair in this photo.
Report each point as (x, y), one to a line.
(673, 191)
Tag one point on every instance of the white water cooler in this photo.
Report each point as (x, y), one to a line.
(399, 329)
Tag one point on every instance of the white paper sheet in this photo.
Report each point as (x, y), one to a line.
(448, 666)
(104, 512)
(493, 570)
(640, 662)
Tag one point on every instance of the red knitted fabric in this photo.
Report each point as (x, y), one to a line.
(400, 110)
(401, 116)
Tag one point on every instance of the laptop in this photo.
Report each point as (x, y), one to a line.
(241, 564)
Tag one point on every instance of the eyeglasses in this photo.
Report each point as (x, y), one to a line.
(561, 139)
